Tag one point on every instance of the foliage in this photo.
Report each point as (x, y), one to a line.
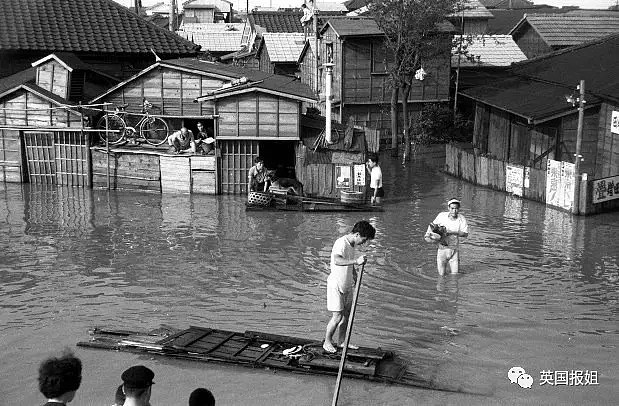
(435, 124)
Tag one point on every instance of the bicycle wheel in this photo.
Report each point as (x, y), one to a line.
(115, 127)
(154, 130)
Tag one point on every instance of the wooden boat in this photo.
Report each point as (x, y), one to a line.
(256, 349)
(258, 201)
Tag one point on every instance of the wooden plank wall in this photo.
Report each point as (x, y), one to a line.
(175, 174)
(569, 129)
(203, 174)
(498, 134)
(54, 77)
(607, 162)
(257, 115)
(23, 108)
(11, 169)
(127, 170)
(171, 92)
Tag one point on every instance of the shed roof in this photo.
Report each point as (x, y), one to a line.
(489, 51)
(17, 79)
(267, 82)
(283, 46)
(505, 20)
(83, 26)
(214, 37)
(562, 30)
(287, 21)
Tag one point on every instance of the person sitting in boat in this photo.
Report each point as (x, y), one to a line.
(205, 141)
(182, 141)
(137, 385)
(257, 177)
(341, 280)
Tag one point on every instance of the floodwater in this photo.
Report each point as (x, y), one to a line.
(538, 290)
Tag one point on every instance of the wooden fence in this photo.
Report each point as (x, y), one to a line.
(460, 161)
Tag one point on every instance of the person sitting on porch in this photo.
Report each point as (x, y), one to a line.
(205, 142)
(257, 176)
(182, 140)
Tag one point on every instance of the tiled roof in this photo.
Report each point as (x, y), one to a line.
(561, 30)
(489, 51)
(214, 37)
(287, 21)
(473, 9)
(283, 46)
(505, 20)
(83, 26)
(503, 4)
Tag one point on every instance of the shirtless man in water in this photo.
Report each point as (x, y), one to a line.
(340, 283)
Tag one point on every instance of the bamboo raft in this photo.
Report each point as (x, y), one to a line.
(284, 202)
(259, 350)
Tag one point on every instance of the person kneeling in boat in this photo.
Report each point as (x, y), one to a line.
(340, 283)
(257, 177)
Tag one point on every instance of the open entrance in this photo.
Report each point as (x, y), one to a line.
(279, 156)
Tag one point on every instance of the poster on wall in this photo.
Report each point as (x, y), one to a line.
(553, 179)
(342, 176)
(605, 189)
(514, 179)
(360, 175)
(567, 185)
(614, 122)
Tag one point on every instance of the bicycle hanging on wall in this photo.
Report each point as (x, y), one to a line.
(151, 129)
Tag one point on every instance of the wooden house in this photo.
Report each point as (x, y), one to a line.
(525, 119)
(42, 136)
(360, 79)
(208, 11)
(251, 113)
(279, 52)
(539, 34)
(472, 19)
(102, 33)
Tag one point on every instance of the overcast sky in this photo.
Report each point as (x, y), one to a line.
(240, 4)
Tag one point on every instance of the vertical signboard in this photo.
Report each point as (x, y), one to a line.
(560, 184)
(614, 122)
(514, 179)
(360, 175)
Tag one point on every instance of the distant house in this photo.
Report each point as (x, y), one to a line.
(505, 20)
(472, 19)
(360, 89)
(279, 52)
(539, 34)
(208, 11)
(101, 33)
(525, 119)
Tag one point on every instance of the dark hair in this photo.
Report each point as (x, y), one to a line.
(258, 159)
(201, 397)
(373, 157)
(364, 229)
(58, 376)
(119, 397)
(134, 392)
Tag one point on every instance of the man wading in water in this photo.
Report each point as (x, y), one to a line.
(340, 282)
(456, 227)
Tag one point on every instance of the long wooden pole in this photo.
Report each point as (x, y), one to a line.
(351, 318)
(577, 157)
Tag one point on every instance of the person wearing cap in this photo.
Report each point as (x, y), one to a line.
(456, 227)
(137, 384)
(60, 378)
(201, 397)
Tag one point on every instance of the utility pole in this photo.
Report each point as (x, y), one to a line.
(172, 24)
(577, 155)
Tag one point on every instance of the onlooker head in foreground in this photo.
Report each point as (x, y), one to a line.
(201, 397)
(137, 384)
(119, 396)
(60, 378)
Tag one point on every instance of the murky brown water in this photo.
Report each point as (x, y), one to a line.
(538, 290)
